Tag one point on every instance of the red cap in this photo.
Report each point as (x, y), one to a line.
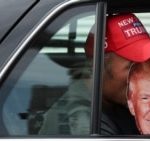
(125, 36)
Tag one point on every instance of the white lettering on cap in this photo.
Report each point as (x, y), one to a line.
(125, 22)
(134, 31)
(106, 44)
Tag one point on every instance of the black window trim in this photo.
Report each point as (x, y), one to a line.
(101, 9)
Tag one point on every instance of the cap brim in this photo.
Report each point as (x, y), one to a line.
(139, 51)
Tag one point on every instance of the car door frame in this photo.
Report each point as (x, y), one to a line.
(101, 8)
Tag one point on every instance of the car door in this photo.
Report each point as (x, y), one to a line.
(49, 87)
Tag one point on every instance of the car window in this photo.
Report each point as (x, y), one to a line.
(48, 92)
(144, 17)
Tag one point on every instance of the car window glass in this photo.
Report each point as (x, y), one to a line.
(48, 92)
(144, 17)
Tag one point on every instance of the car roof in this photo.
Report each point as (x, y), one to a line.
(128, 6)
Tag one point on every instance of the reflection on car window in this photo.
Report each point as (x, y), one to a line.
(48, 89)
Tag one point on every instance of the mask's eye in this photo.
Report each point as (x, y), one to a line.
(145, 98)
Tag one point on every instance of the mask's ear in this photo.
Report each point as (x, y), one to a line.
(130, 103)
